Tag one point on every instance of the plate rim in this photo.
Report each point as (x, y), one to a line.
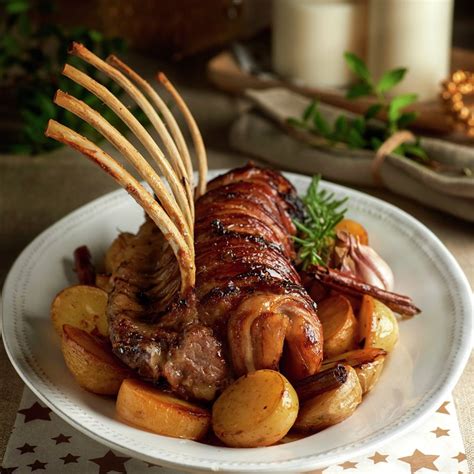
(336, 455)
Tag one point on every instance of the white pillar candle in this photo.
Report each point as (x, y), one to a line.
(310, 38)
(415, 34)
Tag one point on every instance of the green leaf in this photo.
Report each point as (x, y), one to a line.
(17, 6)
(321, 124)
(355, 139)
(390, 79)
(359, 124)
(406, 118)
(373, 111)
(359, 90)
(375, 143)
(96, 36)
(415, 150)
(309, 111)
(295, 122)
(398, 103)
(357, 66)
(340, 128)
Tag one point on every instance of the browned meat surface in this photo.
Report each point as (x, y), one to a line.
(248, 311)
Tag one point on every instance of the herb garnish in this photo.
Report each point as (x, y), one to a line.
(316, 232)
(358, 132)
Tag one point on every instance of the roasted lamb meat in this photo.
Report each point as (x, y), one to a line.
(249, 310)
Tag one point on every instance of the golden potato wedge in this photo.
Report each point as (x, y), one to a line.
(258, 409)
(143, 405)
(332, 406)
(355, 229)
(91, 362)
(378, 326)
(104, 282)
(115, 253)
(81, 306)
(369, 373)
(339, 325)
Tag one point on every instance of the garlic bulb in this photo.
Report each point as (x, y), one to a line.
(362, 262)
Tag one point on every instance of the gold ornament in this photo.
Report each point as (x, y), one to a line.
(455, 90)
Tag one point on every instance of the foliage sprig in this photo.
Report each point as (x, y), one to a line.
(316, 232)
(359, 132)
(32, 54)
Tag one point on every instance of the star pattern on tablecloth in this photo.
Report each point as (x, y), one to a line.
(37, 466)
(27, 448)
(377, 457)
(348, 465)
(69, 458)
(7, 470)
(443, 409)
(460, 457)
(62, 439)
(439, 432)
(35, 412)
(419, 460)
(110, 462)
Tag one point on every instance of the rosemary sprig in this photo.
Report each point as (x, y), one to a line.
(316, 232)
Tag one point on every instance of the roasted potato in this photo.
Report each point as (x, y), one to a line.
(369, 373)
(104, 282)
(332, 406)
(339, 325)
(258, 409)
(355, 229)
(378, 326)
(91, 361)
(143, 405)
(81, 306)
(115, 253)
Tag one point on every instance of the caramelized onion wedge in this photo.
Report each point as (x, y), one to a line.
(256, 410)
(332, 406)
(143, 405)
(369, 373)
(368, 364)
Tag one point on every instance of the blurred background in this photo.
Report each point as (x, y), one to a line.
(188, 36)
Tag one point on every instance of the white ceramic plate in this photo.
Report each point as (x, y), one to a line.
(419, 374)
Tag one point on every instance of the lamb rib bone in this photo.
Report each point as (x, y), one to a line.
(76, 141)
(175, 182)
(164, 110)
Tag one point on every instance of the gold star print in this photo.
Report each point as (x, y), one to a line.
(348, 465)
(439, 432)
(460, 457)
(419, 460)
(377, 457)
(442, 409)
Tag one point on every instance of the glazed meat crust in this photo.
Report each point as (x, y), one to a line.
(248, 311)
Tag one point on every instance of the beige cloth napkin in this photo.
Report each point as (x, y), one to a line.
(259, 132)
(42, 442)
